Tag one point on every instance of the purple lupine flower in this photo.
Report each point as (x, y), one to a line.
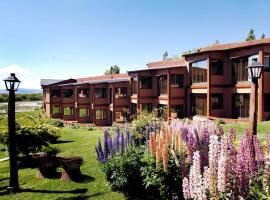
(127, 138)
(121, 143)
(245, 163)
(106, 145)
(185, 134)
(99, 151)
(190, 147)
(115, 143)
(259, 155)
(268, 143)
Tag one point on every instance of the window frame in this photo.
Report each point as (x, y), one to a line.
(196, 75)
(57, 96)
(103, 114)
(87, 112)
(121, 93)
(55, 113)
(71, 111)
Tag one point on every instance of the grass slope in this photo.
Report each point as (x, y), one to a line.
(75, 143)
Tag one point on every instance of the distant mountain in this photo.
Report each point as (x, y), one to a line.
(23, 91)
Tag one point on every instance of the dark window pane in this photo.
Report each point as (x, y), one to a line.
(267, 63)
(217, 101)
(68, 93)
(240, 105)
(177, 80)
(177, 111)
(100, 93)
(134, 83)
(56, 93)
(147, 107)
(217, 67)
(146, 82)
(266, 102)
(199, 104)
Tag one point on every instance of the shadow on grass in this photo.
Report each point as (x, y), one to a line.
(3, 191)
(85, 179)
(82, 197)
(62, 141)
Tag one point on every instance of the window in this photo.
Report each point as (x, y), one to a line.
(56, 93)
(68, 111)
(162, 85)
(101, 114)
(177, 80)
(146, 82)
(146, 107)
(56, 110)
(134, 83)
(216, 67)
(83, 92)
(84, 112)
(198, 104)
(239, 72)
(240, 105)
(199, 71)
(120, 93)
(217, 101)
(266, 102)
(68, 93)
(177, 111)
(100, 93)
(267, 63)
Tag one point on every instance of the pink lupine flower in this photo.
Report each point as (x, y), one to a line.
(195, 179)
(165, 154)
(213, 165)
(259, 155)
(268, 143)
(152, 143)
(185, 186)
(222, 164)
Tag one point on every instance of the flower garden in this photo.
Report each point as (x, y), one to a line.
(185, 159)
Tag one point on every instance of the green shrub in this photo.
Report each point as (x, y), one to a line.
(159, 184)
(32, 138)
(57, 123)
(124, 172)
(220, 121)
(50, 150)
(91, 127)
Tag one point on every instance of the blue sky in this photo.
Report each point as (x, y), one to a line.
(73, 38)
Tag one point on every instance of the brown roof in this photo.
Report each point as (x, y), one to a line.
(235, 45)
(103, 77)
(167, 63)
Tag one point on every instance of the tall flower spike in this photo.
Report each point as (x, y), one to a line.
(165, 158)
(186, 191)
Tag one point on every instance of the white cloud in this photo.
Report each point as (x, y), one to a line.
(28, 78)
(14, 69)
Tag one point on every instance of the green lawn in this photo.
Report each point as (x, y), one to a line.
(76, 142)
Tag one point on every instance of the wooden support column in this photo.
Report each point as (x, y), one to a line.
(138, 95)
(209, 87)
(169, 94)
(261, 90)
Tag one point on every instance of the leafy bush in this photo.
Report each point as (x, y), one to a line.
(160, 184)
(50, 150)
(57, 123)
(75, 126)
(32, 138)
(124, 172)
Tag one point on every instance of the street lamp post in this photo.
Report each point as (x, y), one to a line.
(254, 72)
(12, 83)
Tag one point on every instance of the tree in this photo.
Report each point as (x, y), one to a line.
(113, 70)
(251, 35)
(262, 36)
(165, 55)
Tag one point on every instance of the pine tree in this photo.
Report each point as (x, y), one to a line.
(165, 55)
(251, 35)
(262, 36)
